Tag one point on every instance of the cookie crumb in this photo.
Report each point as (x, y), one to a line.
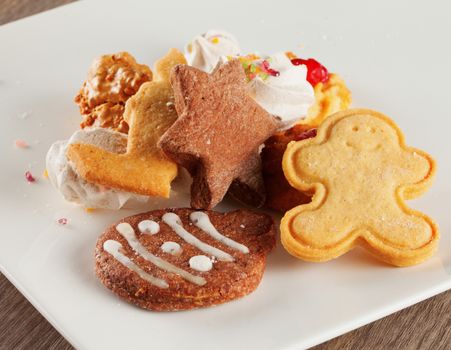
(25, 115)
(29, 177)
(62, 221)
(21, 144)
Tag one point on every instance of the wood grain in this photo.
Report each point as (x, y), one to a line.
(426, 325)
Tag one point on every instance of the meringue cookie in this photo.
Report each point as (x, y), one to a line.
(205, 51)
(287, 95)
(75, 189)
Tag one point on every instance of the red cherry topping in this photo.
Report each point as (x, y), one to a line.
(316, 72)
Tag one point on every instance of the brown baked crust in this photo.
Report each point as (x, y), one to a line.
(225, 282)
(280, 195)
(248, 187)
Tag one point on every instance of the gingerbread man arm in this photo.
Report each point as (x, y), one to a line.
(309, 158)
(418, 168)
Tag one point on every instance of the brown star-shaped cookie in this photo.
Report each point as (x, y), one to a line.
(248, 187)
(219, 127)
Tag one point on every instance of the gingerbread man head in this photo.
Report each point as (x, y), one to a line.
(360, 171)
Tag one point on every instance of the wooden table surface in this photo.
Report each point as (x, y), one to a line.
(426, 325)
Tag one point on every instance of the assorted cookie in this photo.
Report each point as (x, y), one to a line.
(269, 130)
(360, 172)
(289, 88)
(211, 137)
(181, 259)
(143, 168)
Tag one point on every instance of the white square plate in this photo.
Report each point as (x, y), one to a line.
(393, 55)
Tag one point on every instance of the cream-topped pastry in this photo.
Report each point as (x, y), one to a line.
(279, 86)
(275, 83)
(205, 50)
(65, 179)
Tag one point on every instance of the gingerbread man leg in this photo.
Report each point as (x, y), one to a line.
(399, 239)
(316, 233)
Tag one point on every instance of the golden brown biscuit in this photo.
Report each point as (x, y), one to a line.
(361, 171)
(143, 169)
(330, 97)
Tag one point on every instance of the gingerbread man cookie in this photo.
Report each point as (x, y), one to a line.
(360, 171)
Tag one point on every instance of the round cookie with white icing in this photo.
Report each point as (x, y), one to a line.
(194, 259)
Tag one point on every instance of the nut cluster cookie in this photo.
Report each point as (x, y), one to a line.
(180, 259)
(111, 81)
(361, 172)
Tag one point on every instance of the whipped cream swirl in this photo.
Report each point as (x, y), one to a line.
(205, 51)
(287, 94)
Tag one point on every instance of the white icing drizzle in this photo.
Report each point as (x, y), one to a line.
(171, 248)
(201, 220)
(149, 226)
(128, 233)
(201, 263)
(113, 248)
(175, 223)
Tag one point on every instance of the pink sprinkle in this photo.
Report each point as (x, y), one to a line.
(21, 144)
(29, 177)
(62, 221)
(265, 68)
